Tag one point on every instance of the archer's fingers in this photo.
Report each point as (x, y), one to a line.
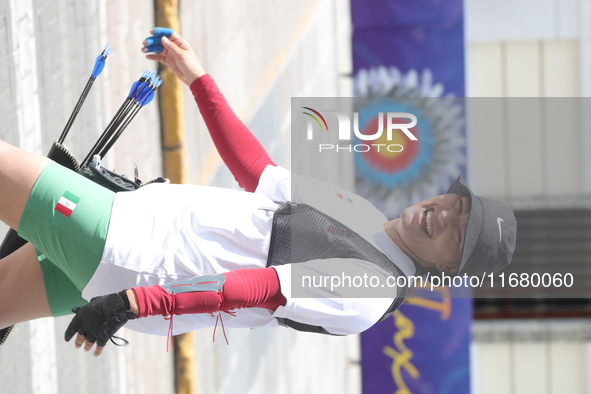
(88, 345)
(174, 37)
(171, 46)
(158, 58)
(72, 329)
(80, 339)
(162, 31)
(179, 41)
(98, 351)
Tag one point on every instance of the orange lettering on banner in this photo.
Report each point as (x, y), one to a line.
(400, 354)
(443, 306)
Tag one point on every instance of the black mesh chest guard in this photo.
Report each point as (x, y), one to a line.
(302, 233)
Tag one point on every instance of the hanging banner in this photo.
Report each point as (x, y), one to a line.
(408, 57)
(413, 51)
(424, 348)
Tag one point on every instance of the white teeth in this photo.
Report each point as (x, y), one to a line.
(429, 219)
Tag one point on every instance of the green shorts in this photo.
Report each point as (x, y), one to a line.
(66, 218)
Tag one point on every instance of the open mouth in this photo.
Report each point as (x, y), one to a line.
(426, 222)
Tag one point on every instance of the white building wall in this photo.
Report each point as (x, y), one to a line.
(49, 49)
(530, 49)
(534, 356)
(550, 131)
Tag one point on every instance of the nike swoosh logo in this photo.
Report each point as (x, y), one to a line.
(499, 220)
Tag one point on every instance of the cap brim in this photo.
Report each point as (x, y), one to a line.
(474, 225)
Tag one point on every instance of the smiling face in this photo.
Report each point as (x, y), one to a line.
(432, 231)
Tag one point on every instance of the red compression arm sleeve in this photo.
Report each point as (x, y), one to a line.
(241, 151)
(245, 288)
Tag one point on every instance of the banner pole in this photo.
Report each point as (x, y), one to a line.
(174, 163)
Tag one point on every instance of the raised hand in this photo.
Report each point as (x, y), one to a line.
(175, 53)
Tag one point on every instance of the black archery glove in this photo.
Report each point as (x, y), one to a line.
(101, 318)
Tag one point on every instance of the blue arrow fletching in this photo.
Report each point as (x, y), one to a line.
(163, 31)
(99, 63)
(136, 85)
(133, 89)
(146, 87)
(154, 80)
(98, 68)
(106, 50)
(146, 97)
(142, 87)
(149, 98)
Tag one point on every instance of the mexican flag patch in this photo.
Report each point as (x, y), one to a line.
(67, 203)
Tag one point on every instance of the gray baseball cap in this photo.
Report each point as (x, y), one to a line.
(490, 233)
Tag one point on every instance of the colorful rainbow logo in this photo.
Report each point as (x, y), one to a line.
(315, 118)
